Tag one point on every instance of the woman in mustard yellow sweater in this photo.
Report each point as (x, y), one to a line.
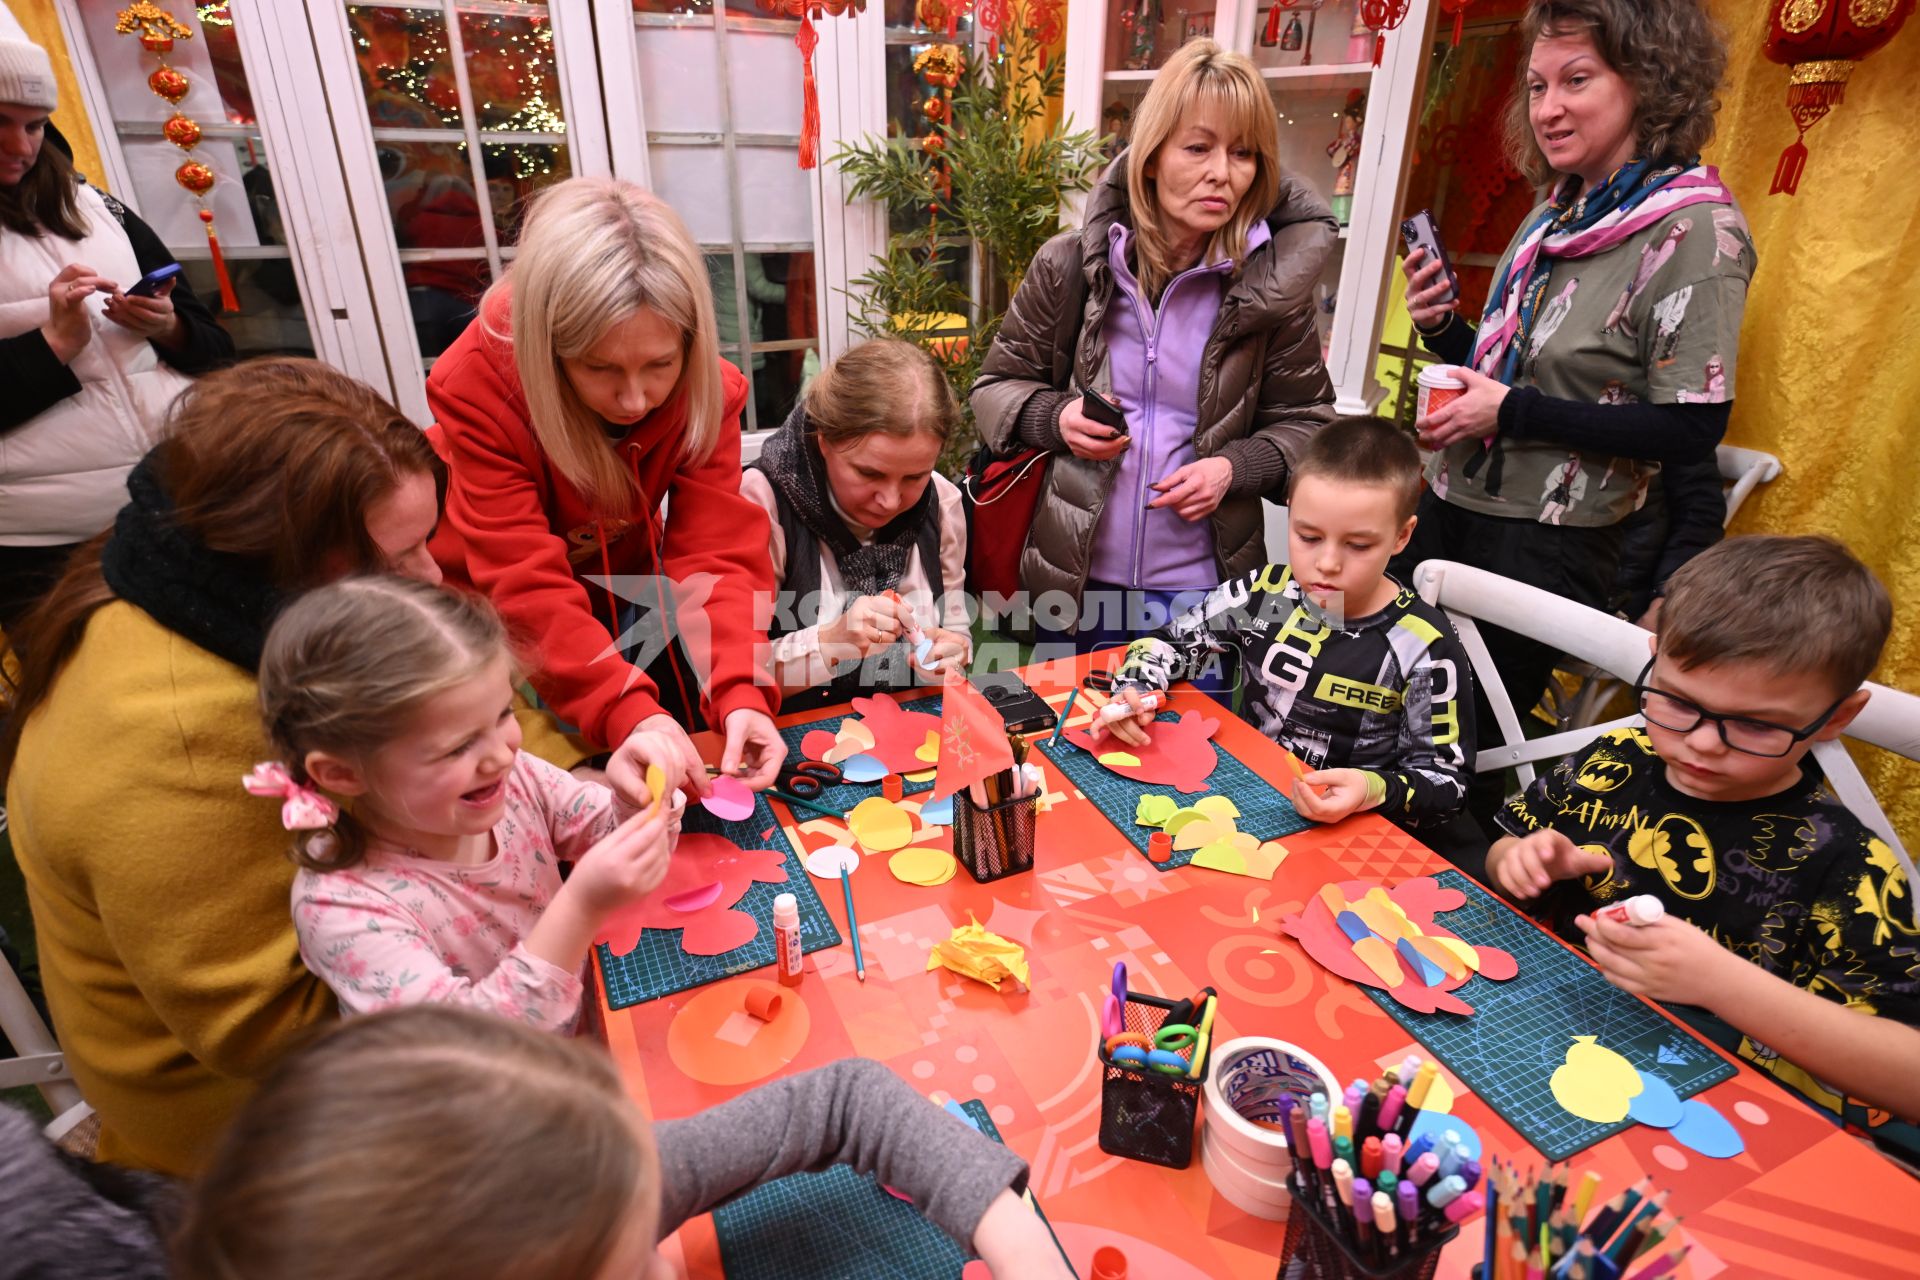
(160, 890)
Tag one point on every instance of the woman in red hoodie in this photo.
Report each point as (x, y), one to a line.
(588, 392)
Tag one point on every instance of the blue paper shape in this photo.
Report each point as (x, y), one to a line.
(1436, 1123)
(937, 813)
(1657, 1105)
(1429, 973)
(1702, 1128)
(1353, 926)
(862, 768)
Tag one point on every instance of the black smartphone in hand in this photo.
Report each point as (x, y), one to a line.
(1099, 408)
(1419, 232)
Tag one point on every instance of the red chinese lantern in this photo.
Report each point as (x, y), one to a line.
(1819, 41)
(1458, 8)
(1383, 16)
(807, 40)
(157, 29)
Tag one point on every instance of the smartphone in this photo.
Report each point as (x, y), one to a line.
(1099, 408)
(1024, 710)
(150, 283)
(1418, 232)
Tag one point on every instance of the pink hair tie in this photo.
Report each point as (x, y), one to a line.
(304, 809)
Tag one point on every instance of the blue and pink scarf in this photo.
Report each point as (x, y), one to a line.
(1636, 196)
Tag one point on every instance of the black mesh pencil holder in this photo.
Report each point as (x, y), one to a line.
(1146, 1114)
(1317, 1250)
(995, 841)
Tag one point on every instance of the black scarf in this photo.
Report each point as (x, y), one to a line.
(794, 466)
(217, 600)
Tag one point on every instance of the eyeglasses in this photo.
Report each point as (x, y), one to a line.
(1753, 737)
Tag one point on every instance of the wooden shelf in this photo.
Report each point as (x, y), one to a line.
(1131, 77)
(1331, 72)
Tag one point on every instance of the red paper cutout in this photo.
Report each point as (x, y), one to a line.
(700, 861)
(816, 744)
(1180, 753)
(897, 734)
(1420, 897)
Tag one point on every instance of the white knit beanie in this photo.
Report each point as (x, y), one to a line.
(26, 72)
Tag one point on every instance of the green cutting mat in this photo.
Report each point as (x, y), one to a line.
(849, 794)
(1518, 1034)
(658, 967)
(838, 1225)
(1264, 812)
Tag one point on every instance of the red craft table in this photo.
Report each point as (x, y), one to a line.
(1804, 1202)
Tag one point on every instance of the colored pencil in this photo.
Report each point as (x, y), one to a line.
(1060, 725)
(853, 925)
(1663, 1265)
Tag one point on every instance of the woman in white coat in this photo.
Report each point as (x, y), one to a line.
(89, 369)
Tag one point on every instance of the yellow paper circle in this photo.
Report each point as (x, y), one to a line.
(880, 824)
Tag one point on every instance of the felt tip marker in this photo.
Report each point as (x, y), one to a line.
(1407, 1197)
(1446, 1191)
(1451, 1154)
(1422, 1083)
(1419, 1147)
(1423, 1169)
(1465, 1206)
(1390, 1109)
(1370, 1157)
(1342, 1121)
(1391, 1148)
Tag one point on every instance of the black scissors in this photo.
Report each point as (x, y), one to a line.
(808, 778)
(1100, 681)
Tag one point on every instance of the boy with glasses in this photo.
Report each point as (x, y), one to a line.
(1787, 922)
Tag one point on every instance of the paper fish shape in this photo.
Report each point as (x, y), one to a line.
(1382, 919)
(1179, 754)
(972, 952)
(707, 876)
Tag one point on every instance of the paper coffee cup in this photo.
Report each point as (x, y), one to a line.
(1437, 385)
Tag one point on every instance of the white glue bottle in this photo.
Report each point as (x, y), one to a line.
(1641, 909)
(786, 939)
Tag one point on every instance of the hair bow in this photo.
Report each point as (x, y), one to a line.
(304, 809)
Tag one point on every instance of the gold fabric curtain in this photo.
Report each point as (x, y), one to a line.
(1829, 366)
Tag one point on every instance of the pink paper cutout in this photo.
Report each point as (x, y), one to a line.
(700, 860)
(897, 734)
(1180, 753)
(729, 800)
(696, 899)
(1420, 897)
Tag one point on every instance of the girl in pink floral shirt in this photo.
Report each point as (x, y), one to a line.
(441, 882)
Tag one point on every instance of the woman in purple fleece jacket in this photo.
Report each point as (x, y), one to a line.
(1186, 299)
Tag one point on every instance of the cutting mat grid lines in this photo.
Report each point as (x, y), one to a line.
(836, 1224)
(658, 967)
(1264, 812)
(1507, 1051)
(849, 794)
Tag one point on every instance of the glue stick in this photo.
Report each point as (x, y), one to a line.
(786, 939)
(1641, 909)
(1119, 710)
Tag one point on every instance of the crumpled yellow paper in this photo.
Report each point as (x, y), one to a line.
(974, 953)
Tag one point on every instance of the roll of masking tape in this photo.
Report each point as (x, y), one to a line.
(763, 1004)
(1257, 1194)
(1246, 1079)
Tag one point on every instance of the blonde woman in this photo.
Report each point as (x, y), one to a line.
(1186, 300)
(588, 392)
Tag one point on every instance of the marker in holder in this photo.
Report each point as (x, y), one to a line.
(1318, 1250)
(1148, 1114)
(995, 841)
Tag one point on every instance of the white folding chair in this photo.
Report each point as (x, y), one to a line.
(1618, 649)
(38, 1061)
(1743, 471)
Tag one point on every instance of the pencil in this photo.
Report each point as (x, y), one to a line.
(853, 926)
(815, 805)
(1060, 725)
(1663, 1265)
